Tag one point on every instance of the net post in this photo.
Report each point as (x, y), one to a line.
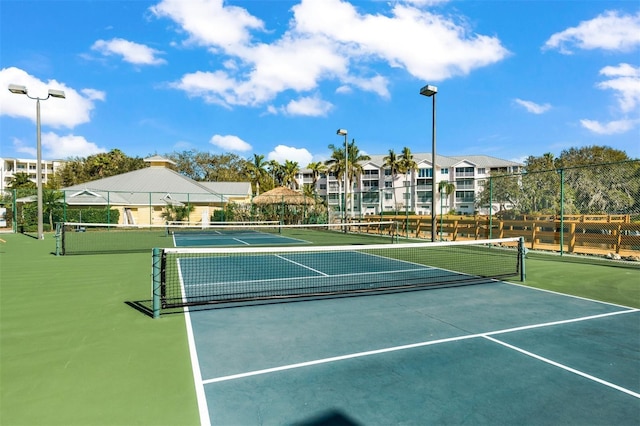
(58, 236)
(155, 266)
(521, 256)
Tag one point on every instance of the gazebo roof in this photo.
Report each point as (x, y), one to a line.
(283, 195)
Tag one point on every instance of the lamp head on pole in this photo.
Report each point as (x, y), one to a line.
(428, 90)
(57, 93)
(341, 132)
(17, 89)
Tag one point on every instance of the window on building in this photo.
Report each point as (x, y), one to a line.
(388, 184)
(424, 173)
(388, 196)
(482, 171)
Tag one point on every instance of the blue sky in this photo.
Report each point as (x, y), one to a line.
(278, 78)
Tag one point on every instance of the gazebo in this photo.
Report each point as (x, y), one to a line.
(283, 195)
(285, 204)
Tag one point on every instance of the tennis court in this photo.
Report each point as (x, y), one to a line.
(221, 237)
(481, 354)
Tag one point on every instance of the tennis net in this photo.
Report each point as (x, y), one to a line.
(184, 277)
(87, 238)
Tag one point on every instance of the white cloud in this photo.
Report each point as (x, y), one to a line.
(533, 107)
(281, 153)
(209, 22)
(134, 53)
(625, 83)
(74, 110)
(230, 143)
(327, 40)
(56, 147)
(60, 147)
(610, 128)
(609, 31)
(307, 106)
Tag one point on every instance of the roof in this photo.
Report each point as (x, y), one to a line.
(283, 194)
(156, 185)
(448, 161)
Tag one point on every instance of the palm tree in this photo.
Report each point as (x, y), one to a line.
(51, 203)
(407, 164)
(446, 187)
(354, 160)
(336, 164)
(392, 162)
(21, 180)
(256, 170)
(275, 170)
(316, 169)
(290, 171)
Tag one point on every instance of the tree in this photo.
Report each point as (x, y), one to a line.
(52, 204)
(540, 185)
(448, 188)
(392, 162)
(503, 189)
(256, 170)
(445, 187)
(79, 170)
(290, 172)
(407, 165)
(21, 180)
(276, 171)
(596, 179)
(316, 168)
(355, 160)
(336, 165)
(177, 212)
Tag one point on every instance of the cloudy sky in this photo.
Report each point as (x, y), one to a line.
(278, 78)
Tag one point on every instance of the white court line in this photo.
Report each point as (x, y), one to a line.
(564, 367)
(485, 335)
(302, 265)
(201, 397)
(242, 242)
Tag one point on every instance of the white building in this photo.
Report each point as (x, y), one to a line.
(376, 190)
(9, 167)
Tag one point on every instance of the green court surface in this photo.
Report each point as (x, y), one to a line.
(73, 352)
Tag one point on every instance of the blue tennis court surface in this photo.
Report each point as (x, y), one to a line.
(496, 353)
(208, 238)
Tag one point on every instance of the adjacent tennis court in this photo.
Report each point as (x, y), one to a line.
(491, 353)
(221, 237)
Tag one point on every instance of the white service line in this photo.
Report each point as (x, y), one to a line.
(564, 367)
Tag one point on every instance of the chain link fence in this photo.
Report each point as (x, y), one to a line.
(152, 208)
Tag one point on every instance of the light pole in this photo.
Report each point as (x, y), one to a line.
(430, 91)
(343, 132)
(22, 90)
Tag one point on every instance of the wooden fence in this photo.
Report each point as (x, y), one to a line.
(585, 234)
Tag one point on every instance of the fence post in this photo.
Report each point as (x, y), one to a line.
(490, 207)
(561, 212)
(522, 254)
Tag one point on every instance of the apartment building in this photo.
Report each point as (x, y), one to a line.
(9, 167)
(377, 190)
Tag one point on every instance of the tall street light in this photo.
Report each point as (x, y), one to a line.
(22, 90)
(430, 91)
(343, 132)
